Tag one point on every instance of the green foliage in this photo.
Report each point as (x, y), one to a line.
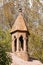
(5, 46)
(4, 58)
(5, 39)
(36, 46)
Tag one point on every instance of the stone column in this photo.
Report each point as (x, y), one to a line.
(13, 46)
(24, 44)
(17, 44)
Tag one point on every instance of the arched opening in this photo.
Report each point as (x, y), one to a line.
(15, 43)
(21, 42)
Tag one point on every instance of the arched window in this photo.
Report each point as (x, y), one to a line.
(21, 41)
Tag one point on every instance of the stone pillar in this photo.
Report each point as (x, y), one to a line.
(13, 46)
(17, 44)
(24, 45)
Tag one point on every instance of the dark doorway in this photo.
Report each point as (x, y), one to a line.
(21, 41)
(15, 43)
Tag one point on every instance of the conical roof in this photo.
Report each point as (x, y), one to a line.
(19, 24)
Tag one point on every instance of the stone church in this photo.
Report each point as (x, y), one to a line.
(20, 35)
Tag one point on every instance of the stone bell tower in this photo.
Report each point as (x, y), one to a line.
(20, 34)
